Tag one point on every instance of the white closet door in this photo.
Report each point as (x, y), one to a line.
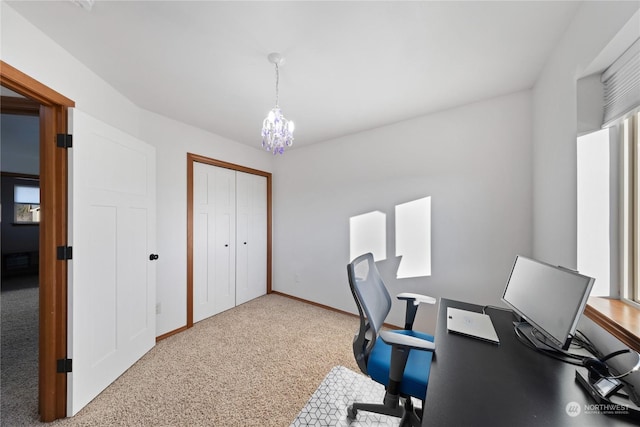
(251, 257)
(214, 227)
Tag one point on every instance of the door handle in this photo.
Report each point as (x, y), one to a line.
(153, 257)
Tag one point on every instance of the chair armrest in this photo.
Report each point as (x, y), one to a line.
(413, 301)
(401, 346)
(416, 298)
(406, 341)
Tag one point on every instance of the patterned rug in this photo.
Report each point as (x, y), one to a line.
(339, 389)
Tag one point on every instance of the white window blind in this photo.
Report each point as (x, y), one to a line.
(622, 85)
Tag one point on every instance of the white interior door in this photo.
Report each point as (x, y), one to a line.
(111, 287)
(251, 236)
(214, 224)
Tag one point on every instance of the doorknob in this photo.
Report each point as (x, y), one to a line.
(153, 257)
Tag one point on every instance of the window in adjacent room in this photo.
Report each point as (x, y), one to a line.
(26, 202)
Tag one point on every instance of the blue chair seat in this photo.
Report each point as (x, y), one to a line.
(416, 373)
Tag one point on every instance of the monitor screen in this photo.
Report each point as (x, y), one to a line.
(551, 299)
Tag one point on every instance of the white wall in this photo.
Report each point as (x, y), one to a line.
(20, 151)
(26, 48)
(173, 140)
(475, 163)
(555, 127)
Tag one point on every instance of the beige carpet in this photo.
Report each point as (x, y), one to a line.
(255, 365)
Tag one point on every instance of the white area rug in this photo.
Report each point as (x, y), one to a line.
(339, 389)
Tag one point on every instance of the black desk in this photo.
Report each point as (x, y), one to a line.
(476, 383)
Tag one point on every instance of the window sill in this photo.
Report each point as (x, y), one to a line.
(616, 317)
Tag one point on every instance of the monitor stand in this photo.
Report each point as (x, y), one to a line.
(536, 339)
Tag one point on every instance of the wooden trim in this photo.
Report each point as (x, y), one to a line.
(269, 234)
(19, 106)
(168, 334)
(316, 304)
(191, 159)
(25, 176)
(17, 81)
(213, 162)
(616, 317)
(326, 307)
(53, 232)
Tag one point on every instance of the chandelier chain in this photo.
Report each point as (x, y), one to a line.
(277, 83)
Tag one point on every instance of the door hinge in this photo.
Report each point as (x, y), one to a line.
(64, 140)
(65, 366)
(65, 253)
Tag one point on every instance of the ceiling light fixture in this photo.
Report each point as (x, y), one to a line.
(85, 4)
(277, 132)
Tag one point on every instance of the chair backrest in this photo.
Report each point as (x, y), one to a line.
(373, 302)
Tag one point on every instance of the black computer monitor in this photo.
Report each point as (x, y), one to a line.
(550, 299)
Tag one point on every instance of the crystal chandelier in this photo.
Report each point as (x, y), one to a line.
(277, 132)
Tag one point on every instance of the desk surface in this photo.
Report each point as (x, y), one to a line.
(476, 383)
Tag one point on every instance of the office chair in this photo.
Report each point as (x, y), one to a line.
(400, 359)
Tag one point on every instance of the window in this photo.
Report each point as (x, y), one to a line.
(593, 222)
(631, 208)
(618, 100)
(26, 202)
(609, 226)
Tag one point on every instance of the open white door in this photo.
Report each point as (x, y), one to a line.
(111, 286)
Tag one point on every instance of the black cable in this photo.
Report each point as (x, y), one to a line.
(494, 307)
(589, 346)
(543, 340)
(552, 352)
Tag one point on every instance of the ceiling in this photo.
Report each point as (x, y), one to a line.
(350, 65)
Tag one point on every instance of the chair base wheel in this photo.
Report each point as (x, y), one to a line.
(352, 413)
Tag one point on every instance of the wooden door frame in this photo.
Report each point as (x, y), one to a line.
(191, 159)
(52, 394)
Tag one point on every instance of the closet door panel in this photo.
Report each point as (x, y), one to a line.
(242, 235)
(213, 240)
(225, 248)
(251, 191)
